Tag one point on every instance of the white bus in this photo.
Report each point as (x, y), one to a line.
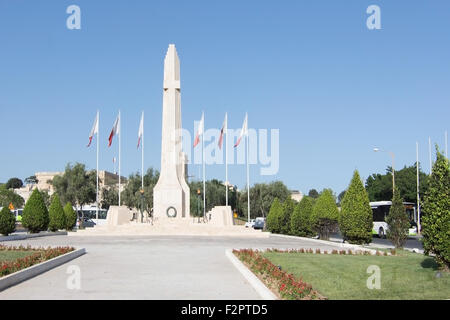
(380, 210)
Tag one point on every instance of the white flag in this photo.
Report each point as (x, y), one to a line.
(244, 131)
(201, 128)
(94, 130)
(115, 130)
(141, 130)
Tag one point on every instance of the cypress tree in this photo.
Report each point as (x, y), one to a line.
(35, 214)
(7, 221)
(301, 218)
(325, 215)
(356, 219)
(397, 221)
(272, 217)
(71, 216)
(56, 215)
(436, 208)
(284, 219)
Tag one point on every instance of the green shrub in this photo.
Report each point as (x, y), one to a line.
(7, 221)
(397, 221)
(301, 218)
(325, 215)
(56, 215)
(356, 219)
(35, 214)
(273, 216)
(284, 219)
(436, 208)
(71, 216)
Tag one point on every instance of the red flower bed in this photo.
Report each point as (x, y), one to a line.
(283, 284)
(39, 255)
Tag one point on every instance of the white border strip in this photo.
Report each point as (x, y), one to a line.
(25, 274)
(261, 289)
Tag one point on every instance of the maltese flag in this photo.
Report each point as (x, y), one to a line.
(223, 131)
(115, 130)
(244, 131)
(141, 130)
(200, 130)
(94, 130)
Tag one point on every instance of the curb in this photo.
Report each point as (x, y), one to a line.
(30, 236)
(28, 273)
(330, 243)
(260, 287)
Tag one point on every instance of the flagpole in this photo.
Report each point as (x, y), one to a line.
(226, 156)
(98, 133)
(203, 160)
(248, 172)
(418, 194)
(142, 174)
(120, 135)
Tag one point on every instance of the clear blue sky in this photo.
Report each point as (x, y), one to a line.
(309, 68)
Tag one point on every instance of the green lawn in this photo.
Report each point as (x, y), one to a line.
(13, 255)
(407, 276)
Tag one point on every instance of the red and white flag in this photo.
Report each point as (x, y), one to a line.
(244, 131)
(115, 130)
(200, 130)
(94, 130)
(141, 130)
(223, 130)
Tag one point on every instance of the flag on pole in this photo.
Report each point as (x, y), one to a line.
(115, 130)
(141, 130)
(94, 130)
(200, 130)
(244, 131)
(223, 131)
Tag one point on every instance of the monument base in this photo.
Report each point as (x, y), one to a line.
(118, 216)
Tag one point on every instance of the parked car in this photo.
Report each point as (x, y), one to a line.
(259, 224)
(250, 224)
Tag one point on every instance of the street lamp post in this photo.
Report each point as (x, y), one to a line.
(393, 166)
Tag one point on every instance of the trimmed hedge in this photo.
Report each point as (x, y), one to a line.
(325, 215)
(276, 210)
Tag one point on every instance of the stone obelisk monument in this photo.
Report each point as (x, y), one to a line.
(171, 195)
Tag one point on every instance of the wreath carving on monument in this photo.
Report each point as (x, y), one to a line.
(171, 212)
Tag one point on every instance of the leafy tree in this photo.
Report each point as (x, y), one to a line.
(110, 197)
(313, 193)
(76, 186)
(7, 196)
(276, 210)
(325, 215)
(31, 180)
(57, 218)
(131, 195)
(436, 205)
(379, 187)
(7, 221)
(262, 196)
(14, 183)
(71, 216)
(397, 221)
(301, 218)
(35, 214)
(356, 220)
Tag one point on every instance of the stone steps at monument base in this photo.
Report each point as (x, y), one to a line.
(168, 227)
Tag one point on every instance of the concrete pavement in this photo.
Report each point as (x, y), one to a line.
(151, 267)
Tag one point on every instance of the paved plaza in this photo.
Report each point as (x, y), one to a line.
(151, 267)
